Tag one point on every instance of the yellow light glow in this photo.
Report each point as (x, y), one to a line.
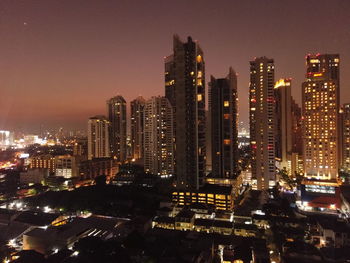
(282, 83)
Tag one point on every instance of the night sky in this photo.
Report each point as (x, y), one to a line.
(61, 60)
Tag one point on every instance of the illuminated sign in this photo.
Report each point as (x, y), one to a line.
(322, 189)
(24, 155)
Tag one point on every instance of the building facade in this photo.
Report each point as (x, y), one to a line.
(320, 96)
(346, 137)
(67, 166)
(288, 143)
(137, 127)
(116, 111)
(158, 137)
(262, 122)
(220, 197)
(98, 137)
(98, 166)
(283, 124)
(224, 121)
(45, 161)
(186, 92)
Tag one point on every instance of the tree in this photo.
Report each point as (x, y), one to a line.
(286, 178)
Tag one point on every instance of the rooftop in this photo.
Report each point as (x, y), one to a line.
(216, 189)
(36, 218)
(185, 213)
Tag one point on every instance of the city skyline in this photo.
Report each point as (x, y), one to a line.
(114, 56)
(174, 131)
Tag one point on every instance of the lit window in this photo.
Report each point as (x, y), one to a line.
(226, 103)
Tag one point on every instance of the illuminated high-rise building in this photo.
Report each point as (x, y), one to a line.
(224, 122)
(185, 90)
(116, 109)
(283, 124)
(346, 137)
(297, 143)
(98, 137)
(262, 122)
(158, 137)
(169, 77)
(320, 95)
(137, 127)
(288, 128)
(208, 138)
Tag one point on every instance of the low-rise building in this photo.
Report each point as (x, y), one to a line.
(165, 222)
(33, 176)
(184, 220)
(245, 230)
(98, 166)
(46, 241)
(319, 196)
(66, 166)
(221, 197)
(334, 233)
(45, 161)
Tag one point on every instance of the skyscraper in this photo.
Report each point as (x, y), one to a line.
(158, 137)
(297, 143)
(262, 121)
(283, 124)
(98, 137)
(208, 138)
(137, 127)
(320, 95)
(346, 137)
(288, 143)
(169, 78)
(116, 108)
(186, 93)
(224, 121)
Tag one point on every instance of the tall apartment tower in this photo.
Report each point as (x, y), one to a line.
(283, 124)
(224, 132)
(346, 138)
(116, 108)
(262, 121)
(137, 127)
(297, 143)
(158, 137)
(185, 90)
(320, 95)
(98, 137)
(208, 138)
(169, 78)
(288, 143)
